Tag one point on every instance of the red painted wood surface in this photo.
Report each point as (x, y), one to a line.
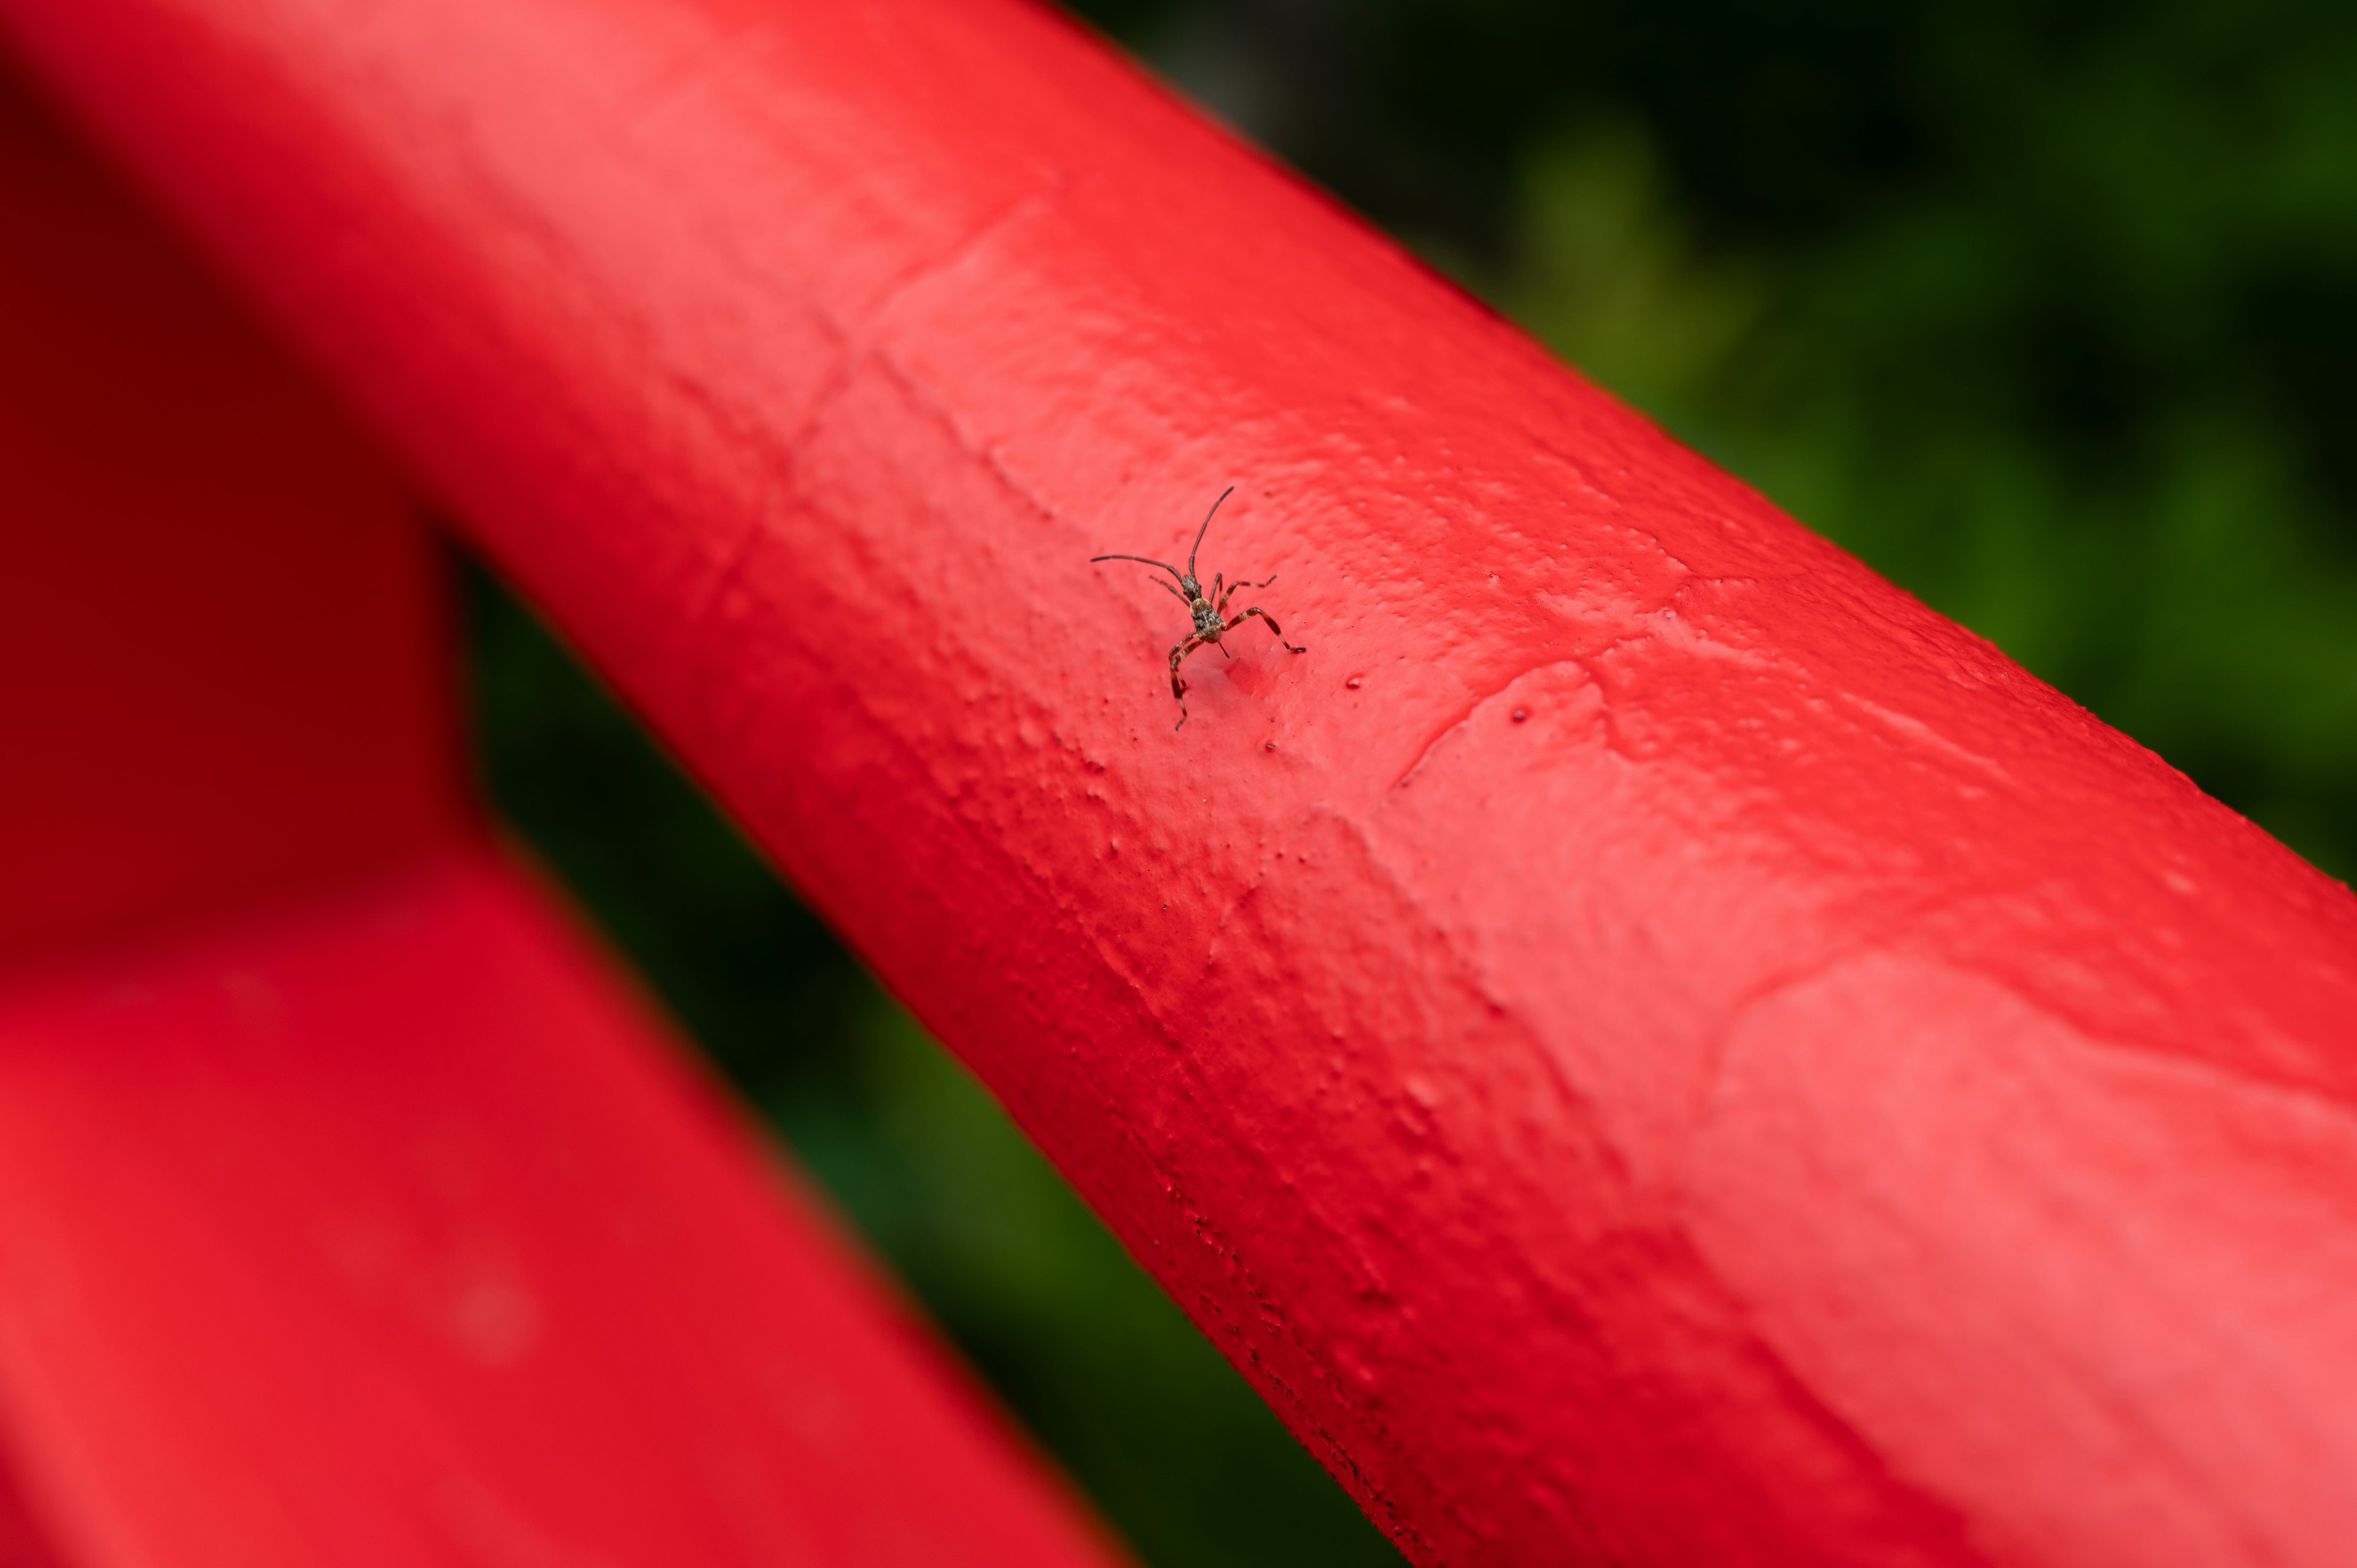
(223, 674)
(385, 1231)
(1645, 1043)
(351, 1210)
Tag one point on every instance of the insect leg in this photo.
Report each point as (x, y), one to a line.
(1264, 615)
(1234, 588)
(1178, 686)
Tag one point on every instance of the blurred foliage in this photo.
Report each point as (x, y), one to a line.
(2049, 312)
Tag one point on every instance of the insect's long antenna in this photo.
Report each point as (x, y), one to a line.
(1206, 529)
(1148, 560)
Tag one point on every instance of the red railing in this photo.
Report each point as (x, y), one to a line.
(1644, 1043)
(351, 1211)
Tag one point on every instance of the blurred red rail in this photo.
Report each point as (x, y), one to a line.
(384, 1231)
(351, 1211)
(1645, 1043)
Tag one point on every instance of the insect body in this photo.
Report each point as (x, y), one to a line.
(1209, 610)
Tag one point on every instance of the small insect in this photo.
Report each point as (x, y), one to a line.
(1209, 610)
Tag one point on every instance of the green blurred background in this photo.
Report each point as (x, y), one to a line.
(2047, 311)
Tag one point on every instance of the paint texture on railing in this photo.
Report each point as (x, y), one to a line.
(1646, 1044)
